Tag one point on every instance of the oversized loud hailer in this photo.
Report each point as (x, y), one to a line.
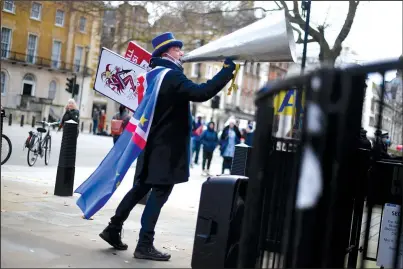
(136, 54)
(116, 78)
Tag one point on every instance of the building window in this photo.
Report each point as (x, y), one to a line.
(31, 49)
(59, 17)
(52, 90)
(28, 85)
(36, 11)
(83, 22)
(3, 83)
(56, 50)
(9, 6)
(195, 70)
(77, 58)
(5, 42)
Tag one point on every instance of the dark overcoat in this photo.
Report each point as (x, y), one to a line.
(224, 138)
(165, 159)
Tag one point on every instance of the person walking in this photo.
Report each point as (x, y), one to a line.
(164, 161)
(197, 130)
(209, 140)
(230, 137)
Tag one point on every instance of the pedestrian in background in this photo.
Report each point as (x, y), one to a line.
(71, 113)
(209, 140)
(249, 135)
(95, 116)
(102, 119)
(119, 122)
(197, 129)
(230, 137)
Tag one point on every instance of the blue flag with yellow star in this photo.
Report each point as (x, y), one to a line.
(103, 182)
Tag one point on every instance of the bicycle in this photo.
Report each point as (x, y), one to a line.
(5, 142)
(38, 146)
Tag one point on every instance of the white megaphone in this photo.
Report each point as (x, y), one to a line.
(270, 39)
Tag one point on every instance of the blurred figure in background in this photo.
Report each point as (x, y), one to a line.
(209, 140)
(71, 113)
(119, 122)
(102, 119)
(95, 116)
(249, 134)
(197, 129)
(230, 137)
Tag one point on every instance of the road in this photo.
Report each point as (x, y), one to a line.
(90, 149)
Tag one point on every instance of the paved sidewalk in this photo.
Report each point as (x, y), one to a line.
(42, 230)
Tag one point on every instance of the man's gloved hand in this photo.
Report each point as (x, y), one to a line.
(228, 63)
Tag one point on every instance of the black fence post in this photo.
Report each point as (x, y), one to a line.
(10, 119)
(90, 127)
(82, 126)
(22, 120)
(67, 160)
(33, 121)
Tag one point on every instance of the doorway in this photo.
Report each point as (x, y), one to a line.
(27, 89)
(28, 85)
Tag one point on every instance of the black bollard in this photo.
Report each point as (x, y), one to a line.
(90, 127)
(241, 161)
(10, 120)
(82, 126)
(33, 121)
(67, 160)
(22, 120)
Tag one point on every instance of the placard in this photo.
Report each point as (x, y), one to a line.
(116, 78)
(136, 54)
(388, 237)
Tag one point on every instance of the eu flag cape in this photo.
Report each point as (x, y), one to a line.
(100, 186)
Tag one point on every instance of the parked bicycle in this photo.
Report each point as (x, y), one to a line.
(6, 147)
(38, 146)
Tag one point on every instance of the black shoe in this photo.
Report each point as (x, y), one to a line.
(149, 252)
(112, 235)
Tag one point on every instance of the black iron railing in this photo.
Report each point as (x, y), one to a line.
(41, 62)
(313, 189)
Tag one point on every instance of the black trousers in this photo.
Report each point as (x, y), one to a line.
(226, 163)
(159, 195)
(196, 149)
(207, 157)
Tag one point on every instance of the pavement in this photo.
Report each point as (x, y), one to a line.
(39, 229)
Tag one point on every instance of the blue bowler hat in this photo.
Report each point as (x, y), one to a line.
(163, 42)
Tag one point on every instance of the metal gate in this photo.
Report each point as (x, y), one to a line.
(312, 184)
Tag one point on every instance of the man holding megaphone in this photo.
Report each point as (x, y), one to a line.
(164, 161)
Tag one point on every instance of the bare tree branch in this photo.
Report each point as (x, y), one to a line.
(345, 30)
(300, 40)
(326, 54)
